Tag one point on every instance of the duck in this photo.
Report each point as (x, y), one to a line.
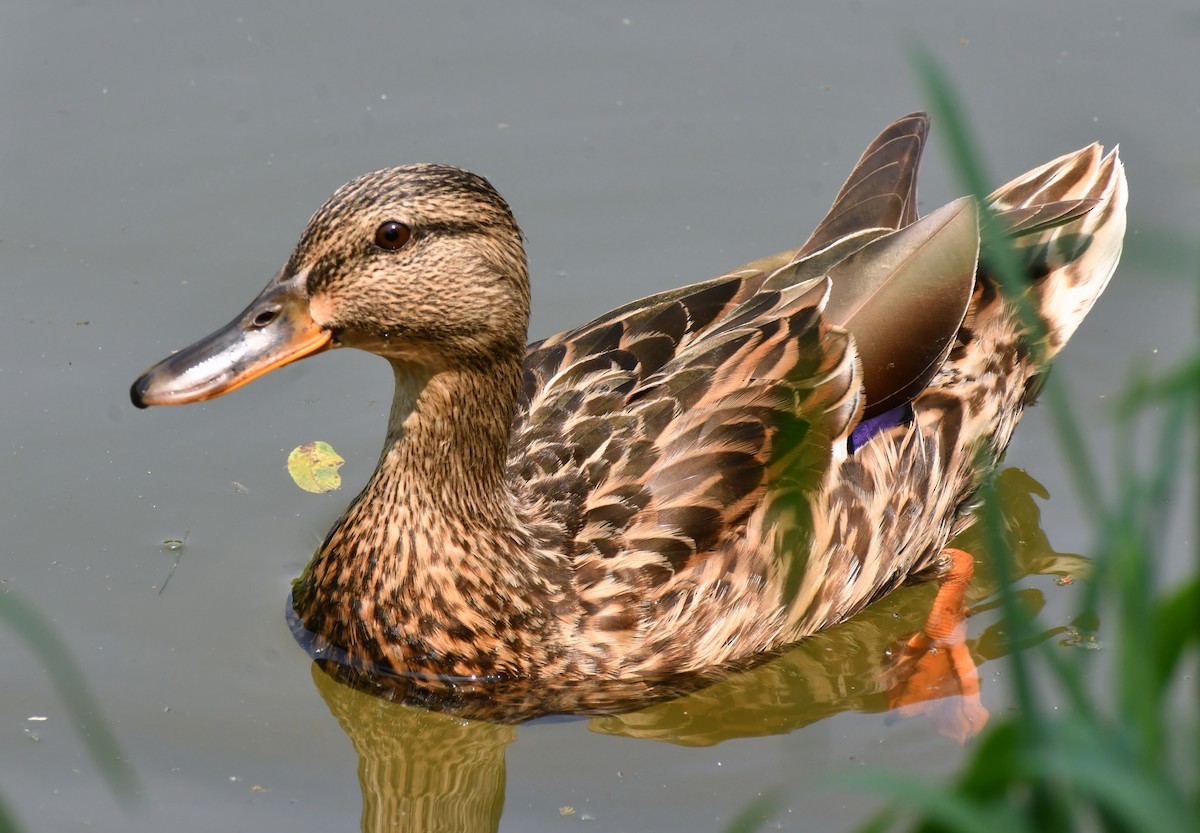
(702, 476)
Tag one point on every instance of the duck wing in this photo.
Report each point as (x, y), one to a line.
(881, 191)
(653, 431)
(657, 453)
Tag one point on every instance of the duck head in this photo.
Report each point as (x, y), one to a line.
(421, 264)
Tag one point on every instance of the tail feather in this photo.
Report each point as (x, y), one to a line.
(1067, 177)
(1067, 219)
(1016, 222)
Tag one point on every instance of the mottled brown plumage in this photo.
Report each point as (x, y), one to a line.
(678, 484)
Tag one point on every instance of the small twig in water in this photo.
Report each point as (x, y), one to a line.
(173, 545)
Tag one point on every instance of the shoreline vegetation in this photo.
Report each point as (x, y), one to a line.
(1082, 751)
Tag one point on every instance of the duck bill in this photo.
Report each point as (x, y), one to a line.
(276, 329)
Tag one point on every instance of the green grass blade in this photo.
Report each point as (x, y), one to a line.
(1138, 800)
(1176, 626)
(936, 805)
(756, 813)
(8, 824)
(73, 688)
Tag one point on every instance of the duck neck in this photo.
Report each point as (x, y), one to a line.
(447, 444)
(433, 567)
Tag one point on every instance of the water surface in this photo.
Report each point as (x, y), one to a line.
(158, 163)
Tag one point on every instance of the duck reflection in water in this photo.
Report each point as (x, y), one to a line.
(441, 772)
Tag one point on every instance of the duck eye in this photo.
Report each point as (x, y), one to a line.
(392, 235)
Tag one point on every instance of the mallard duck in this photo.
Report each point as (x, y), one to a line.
(698, 477)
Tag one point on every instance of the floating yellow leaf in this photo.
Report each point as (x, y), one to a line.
(314, 467)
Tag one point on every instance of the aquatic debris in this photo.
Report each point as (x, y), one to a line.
(1075, 639)
(175, 545)
(314, 467)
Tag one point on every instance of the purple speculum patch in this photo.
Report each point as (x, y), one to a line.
(868, 428)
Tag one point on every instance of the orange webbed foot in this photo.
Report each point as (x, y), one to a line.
(934, 674)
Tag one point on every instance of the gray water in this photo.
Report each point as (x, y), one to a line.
(157, 162)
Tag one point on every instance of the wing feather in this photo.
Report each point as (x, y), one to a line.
(656, 430)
